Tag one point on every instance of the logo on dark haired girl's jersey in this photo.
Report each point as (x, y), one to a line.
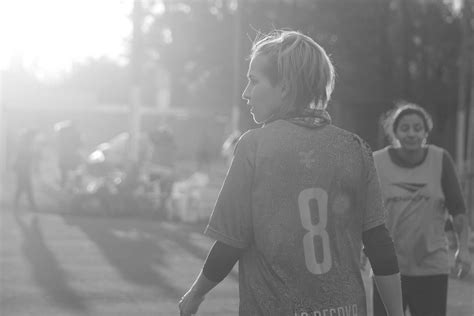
(410, 187)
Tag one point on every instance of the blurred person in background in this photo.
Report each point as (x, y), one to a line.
(419, 184)
(300, 198)
(69, 144)
(204, 150)
(163, 151)
(25, 160)
(162, 162)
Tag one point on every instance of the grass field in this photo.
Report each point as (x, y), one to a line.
(62, 264)
(72, 265)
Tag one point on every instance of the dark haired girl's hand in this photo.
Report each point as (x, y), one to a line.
(462, 263)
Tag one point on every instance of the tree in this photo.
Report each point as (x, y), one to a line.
(425, 38)
(383, 50)
(188, 39)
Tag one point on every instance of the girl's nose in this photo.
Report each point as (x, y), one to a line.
(412, 131)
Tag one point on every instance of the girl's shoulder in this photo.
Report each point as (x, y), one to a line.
(382, 152)
(437, 149)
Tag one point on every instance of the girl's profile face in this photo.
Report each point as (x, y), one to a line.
(411, 132)
(263, 98)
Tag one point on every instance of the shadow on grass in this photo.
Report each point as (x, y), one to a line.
(183, 238)
(138, 250)
(47, 271)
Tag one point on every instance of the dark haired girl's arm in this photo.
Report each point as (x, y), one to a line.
(451, 187)
(457, 208)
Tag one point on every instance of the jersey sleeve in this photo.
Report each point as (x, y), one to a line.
(231, 219)
(373, 207)
(451, 188)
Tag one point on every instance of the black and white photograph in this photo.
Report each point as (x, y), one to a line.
(237, 157)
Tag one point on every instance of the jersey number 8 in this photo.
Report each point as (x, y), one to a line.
(315, 231)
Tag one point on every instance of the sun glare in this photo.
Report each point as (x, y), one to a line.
(48, 36)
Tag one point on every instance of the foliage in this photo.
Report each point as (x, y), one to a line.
(425, 38)
(192, 41)
(383, 50)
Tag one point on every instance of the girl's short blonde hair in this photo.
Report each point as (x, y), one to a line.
(298, 63)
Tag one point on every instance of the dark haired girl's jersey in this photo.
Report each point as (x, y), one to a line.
(416, 197)
(296, 199)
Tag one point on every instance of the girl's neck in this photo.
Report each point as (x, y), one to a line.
(411, 156)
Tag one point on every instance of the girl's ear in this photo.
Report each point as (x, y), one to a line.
(425, 139)
(396, 143)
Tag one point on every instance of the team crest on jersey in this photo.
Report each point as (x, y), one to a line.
(306, 158)
(341, 204)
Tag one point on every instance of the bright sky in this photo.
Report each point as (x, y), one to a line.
(52, 34)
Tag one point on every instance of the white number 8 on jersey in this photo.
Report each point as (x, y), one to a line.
(318, 230)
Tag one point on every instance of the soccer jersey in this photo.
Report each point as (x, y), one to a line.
(297, 200)
(416, 212)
